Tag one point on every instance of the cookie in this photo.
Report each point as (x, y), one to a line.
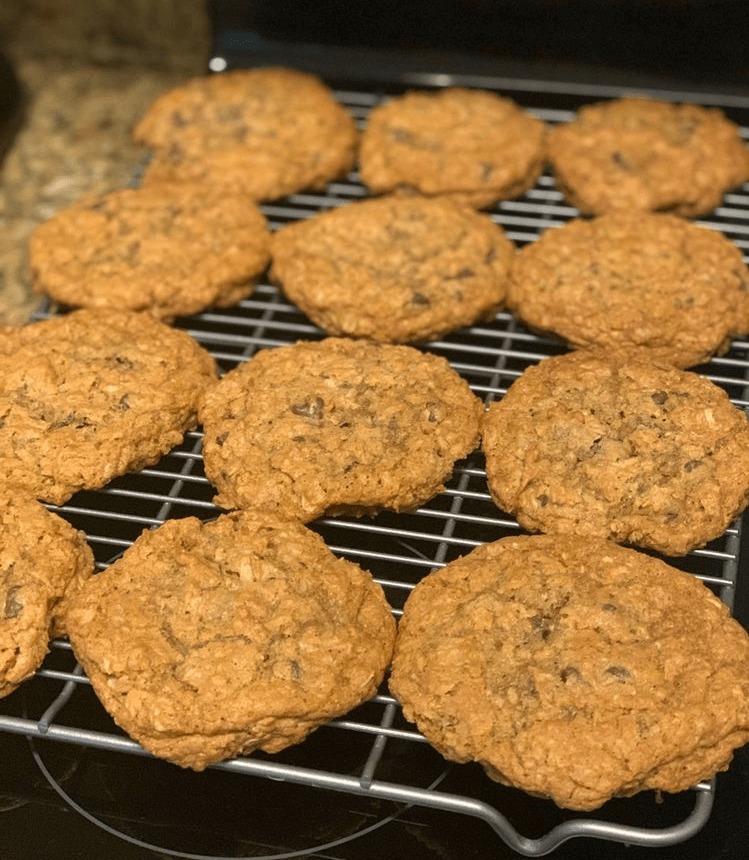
(207, 640)
(94, 394)
(617, 447)
(626, 279)
(263, 132)
(43, 561)
(470, 145)
(394, 269)
(171, 252)
(336, 426)
(574, 669)
(645, 154)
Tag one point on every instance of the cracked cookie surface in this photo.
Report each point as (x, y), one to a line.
(394, 269)
(336, 426)
(646, 154)
(43, 561)
(207, 640)
(169, 251)
(93, 394)
(263, 132)
(574, 669)
(625, 279)
(470, 145)
(613, 446)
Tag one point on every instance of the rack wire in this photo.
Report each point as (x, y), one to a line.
(398, 549)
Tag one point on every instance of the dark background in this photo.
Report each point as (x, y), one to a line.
(697, 41)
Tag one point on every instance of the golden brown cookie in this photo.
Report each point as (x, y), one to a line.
(634, 279)
(207, 640)
(470, 145)
(645, 154)
(169, 251)
(614, 446)
(94, 394)
(574, 669)
(337, 426)
(394, 269)
(43, 561)
(263, 132)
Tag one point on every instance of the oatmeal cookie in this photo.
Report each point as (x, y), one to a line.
(43, 561)
(638, 153)
(263, 132)
(574, 669)
(394, 269)
(471, 145)
(615, 446)
(94, 394)
(169, 251)
(634, 279)
(207, 640)
(337, 426)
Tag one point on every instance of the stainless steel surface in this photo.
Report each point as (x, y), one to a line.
(373, 752)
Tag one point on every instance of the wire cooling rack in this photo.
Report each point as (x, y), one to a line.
(373, 751)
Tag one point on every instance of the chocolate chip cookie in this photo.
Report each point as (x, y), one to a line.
(646, 154)
(262, 132)
(43, 561)
(207, 640)
(169, 251)
(93, 394)
(615, 446)
(394, 269)
(336, 426)
(639, 279)
(574, 669)
(468, 144)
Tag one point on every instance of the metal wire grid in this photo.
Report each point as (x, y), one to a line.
(398, 549)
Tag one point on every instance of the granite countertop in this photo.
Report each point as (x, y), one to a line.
(85, 80)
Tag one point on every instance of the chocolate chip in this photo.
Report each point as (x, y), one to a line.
(691, 465)
(402, 135)
(433, 412)
(13, 606)
(121, 362)
(132, 252)
(461, 275)
(659, 397)
(63, 422)
(542, 625)
(593, 449)
(420, 299)
(569, 673)
(311, 409)
(72, 419)
(619, 672)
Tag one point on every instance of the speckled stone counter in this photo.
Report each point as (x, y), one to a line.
(82, 96)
